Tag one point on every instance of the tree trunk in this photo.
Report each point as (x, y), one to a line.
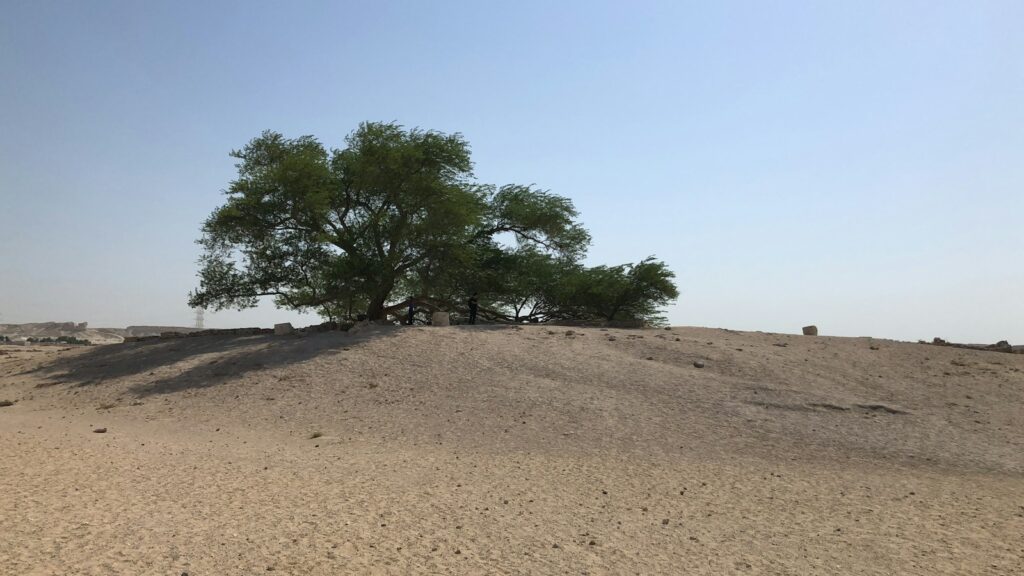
(376, 308)
(375, 311)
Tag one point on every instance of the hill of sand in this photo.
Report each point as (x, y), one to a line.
(512, 450)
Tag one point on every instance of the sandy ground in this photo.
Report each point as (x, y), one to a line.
(502, 450)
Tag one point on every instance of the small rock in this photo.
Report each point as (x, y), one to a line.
(668, 327)
(593, 543)
(664, 522)
(698, 364)
(4, 403)
(650, 357)
(811, 330)
(100, 430)
(555, 546)
(283, 329)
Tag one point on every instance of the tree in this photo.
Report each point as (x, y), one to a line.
(396, 218)
(396, 214)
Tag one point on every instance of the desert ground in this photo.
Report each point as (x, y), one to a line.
(511, 450)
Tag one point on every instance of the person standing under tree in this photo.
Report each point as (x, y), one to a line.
(472, 308)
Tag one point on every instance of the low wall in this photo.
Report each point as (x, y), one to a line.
(210, 332)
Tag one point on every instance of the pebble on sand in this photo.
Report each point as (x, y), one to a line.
(100, 430)
(698, 364)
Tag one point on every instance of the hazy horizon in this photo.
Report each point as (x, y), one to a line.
(859, 167)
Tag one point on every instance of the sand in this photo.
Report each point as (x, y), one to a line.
(503, 450)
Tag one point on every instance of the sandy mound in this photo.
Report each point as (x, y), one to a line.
(512, 450)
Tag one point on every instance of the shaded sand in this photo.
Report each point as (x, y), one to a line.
(501, 450)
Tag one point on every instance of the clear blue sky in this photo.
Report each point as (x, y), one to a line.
(858, 165)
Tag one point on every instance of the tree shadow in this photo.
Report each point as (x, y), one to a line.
(180, 364)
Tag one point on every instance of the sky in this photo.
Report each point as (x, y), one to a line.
(854, 165)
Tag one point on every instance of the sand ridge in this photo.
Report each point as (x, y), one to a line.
(513, 450)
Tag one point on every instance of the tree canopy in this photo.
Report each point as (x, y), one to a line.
(397, 217)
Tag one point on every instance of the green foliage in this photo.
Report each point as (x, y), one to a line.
(625, 292)
(524, 284)
(396, 216)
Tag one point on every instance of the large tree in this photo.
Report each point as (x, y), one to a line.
(394, 215)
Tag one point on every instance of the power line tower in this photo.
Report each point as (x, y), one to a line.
(199, 318)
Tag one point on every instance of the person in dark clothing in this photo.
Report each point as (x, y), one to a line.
(472, 308)
(412, 313)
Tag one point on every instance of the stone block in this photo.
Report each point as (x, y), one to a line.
(282, 329)
(810, 330)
